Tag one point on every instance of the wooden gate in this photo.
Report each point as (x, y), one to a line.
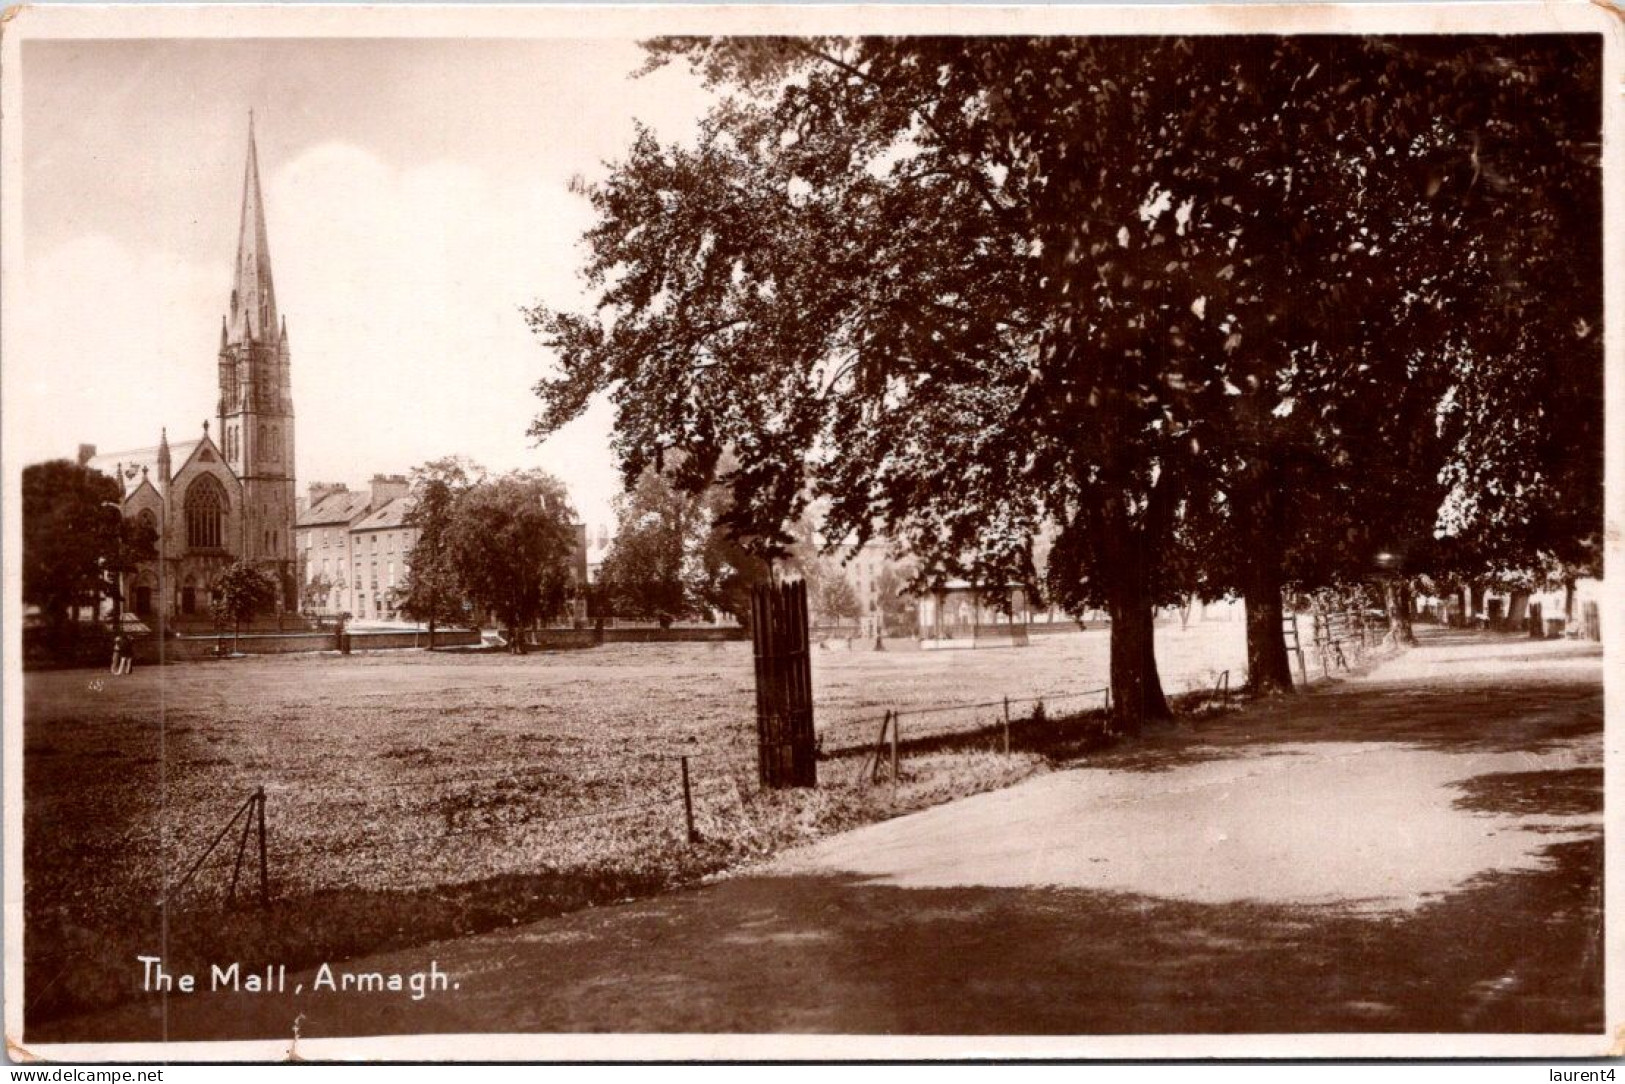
(786, 745)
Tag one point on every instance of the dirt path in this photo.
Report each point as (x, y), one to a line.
(1417, 849)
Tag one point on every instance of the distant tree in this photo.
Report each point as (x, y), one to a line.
(239, 593)
(837, 600)
(76, 541)
(644, 573)
(431, 592)
(509, 543)
(725, 568)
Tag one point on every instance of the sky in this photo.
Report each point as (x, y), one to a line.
(416, 197)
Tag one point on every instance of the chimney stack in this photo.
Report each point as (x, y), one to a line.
(320, 491)
(387, 487)
(87, 452)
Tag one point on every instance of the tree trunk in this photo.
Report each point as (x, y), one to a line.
(1518, 608)
(1136, 689)
(1396, 599)
(1269, 669)
(1259, 505)
(1475, 593)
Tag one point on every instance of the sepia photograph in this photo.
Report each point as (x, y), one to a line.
(841, 533)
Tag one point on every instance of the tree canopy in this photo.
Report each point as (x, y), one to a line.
(76, 540)
(432, 592)
(509, 543)
(1223, 312)
(673, 556)
(241, 591)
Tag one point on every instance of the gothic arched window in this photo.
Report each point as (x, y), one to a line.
(147, 521)
(205, 513)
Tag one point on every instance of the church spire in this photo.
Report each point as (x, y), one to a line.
(163, 455)
(253, 298)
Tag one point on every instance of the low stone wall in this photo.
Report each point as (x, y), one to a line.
(569, 639)
(188, 648)
(710, 634)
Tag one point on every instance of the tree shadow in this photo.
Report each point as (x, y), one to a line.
(1575, 792)
(1508, 952)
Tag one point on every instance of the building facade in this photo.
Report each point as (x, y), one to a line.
(229, 493)
(338, 537)
(379, 547)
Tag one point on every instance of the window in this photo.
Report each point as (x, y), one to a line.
(148, 521)
(392, 573)
(205, 513)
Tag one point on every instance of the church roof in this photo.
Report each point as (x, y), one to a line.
(136, 458)
(390, 515)
(253, 297)
(341, 507)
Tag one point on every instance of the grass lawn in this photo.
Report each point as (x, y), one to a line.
(411, 796)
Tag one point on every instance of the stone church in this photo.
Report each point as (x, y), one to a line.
(227, 493)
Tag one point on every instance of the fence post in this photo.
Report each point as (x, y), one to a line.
(237, 866)
(688, 806)
(265, 876)
(246, 811)
(871, 759)
(1007, 726)
(896, 725)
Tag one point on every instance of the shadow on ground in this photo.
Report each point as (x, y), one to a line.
(1576, 792)
(1513, 952)
(1459, 692)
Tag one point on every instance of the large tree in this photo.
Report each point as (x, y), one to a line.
(432, 592)
(645, 574)
(964, 288)
(510, 543)
(76, 541)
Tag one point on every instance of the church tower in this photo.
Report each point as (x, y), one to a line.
(256, 395)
